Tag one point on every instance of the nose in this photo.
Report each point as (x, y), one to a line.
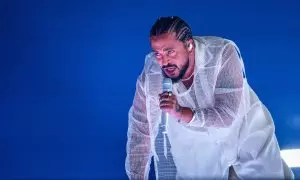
(165, 60)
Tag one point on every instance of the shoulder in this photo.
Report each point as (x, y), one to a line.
(216, 45)
(214, 41)
(150, 64)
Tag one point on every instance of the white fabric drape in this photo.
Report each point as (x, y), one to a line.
(230, 127)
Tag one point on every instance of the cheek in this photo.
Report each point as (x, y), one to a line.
(180, 61)
(160, 62)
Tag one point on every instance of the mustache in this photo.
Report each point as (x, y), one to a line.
(169, 65)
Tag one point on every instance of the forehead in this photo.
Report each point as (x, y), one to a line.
(166, 40)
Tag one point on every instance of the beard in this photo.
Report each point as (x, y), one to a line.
(182, 71)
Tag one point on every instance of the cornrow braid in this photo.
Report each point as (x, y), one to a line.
(172, 24)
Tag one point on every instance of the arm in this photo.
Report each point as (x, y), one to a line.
(227, 95)
(138, 142)
(258, 152)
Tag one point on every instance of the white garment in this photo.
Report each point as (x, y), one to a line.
(231, 126)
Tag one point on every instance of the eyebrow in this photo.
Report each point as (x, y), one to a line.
(166, 49)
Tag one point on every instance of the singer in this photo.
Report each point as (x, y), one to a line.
(195, 113)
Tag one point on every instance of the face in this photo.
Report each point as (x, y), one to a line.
(171, 54)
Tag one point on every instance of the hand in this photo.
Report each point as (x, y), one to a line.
(170, 104)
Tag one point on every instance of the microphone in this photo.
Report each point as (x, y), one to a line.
(166, 87)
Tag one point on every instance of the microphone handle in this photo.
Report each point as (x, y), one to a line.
(164, 120)
(165, 117)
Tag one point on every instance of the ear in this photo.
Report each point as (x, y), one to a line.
(190, 45)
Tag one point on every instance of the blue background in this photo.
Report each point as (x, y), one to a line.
(68, 72)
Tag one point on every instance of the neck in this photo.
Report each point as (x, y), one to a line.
(190, 70)
(188, 77)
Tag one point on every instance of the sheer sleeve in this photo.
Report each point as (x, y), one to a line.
(258, 152)
(227, 94)
(138, 139)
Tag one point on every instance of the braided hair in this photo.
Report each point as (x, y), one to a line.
(172, 24)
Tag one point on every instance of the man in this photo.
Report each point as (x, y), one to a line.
(217, 127)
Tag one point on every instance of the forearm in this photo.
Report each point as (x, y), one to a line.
(208, 117)
(258, 150)
(138, 151)
(260, 163)
(138, 165)
(138, 146)
(184, 114)
(138, 169)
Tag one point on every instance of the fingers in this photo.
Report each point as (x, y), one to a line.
(167, 103)
(165, 98)
(167, 107)
(167, 95)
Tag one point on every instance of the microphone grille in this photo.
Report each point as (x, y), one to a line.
(167, 85)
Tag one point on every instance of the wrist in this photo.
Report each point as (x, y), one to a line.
(178, 112)
(185, 114)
